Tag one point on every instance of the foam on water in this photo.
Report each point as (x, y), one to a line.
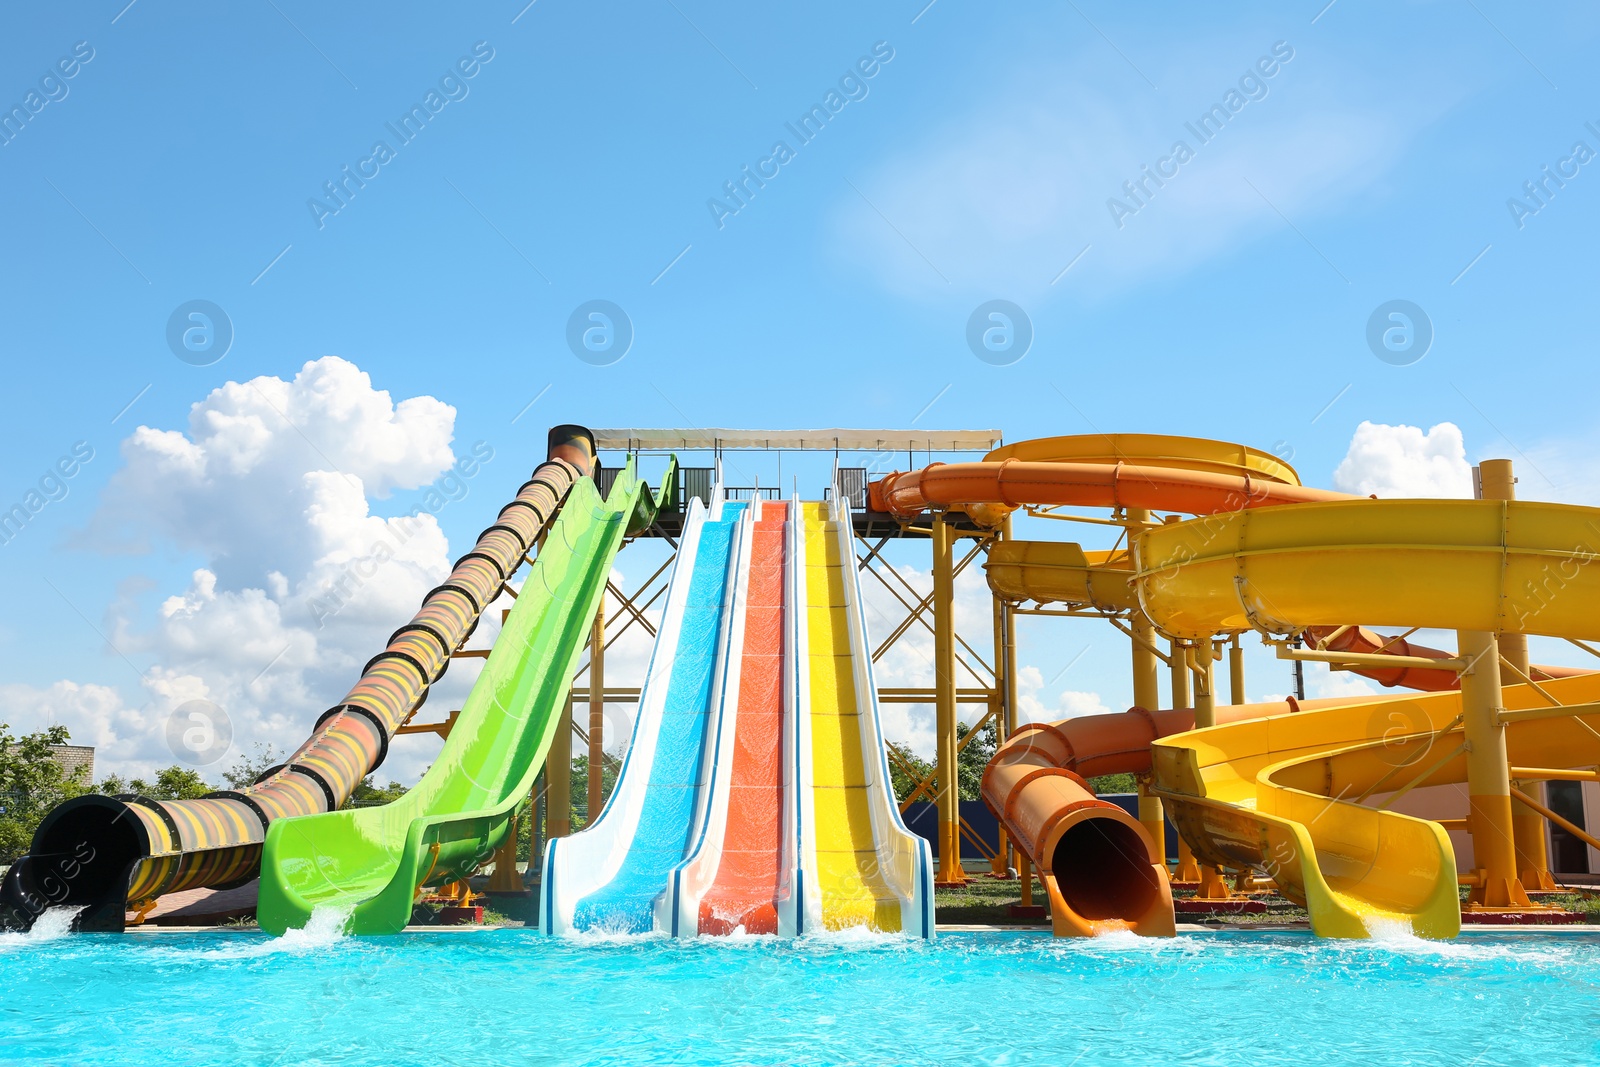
(613, 930)
(325, 927)
(1383, 928)
(324, 930)
(54, 923)
(853, 938)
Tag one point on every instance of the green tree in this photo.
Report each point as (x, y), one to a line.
(609, 767)
(974, 758)
(246, 769)
(172, 783)
(906, 771)
(31, 783)
(1114, 783)
(909, 768)
(368, 794)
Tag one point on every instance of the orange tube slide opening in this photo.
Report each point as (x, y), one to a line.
(1103, 871)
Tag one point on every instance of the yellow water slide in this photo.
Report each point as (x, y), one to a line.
(1303, 796)
(864, 868)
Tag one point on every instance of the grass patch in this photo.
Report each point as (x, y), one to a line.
(984, 900)
(1584, 902)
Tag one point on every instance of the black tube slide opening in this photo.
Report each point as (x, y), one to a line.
(82, 851)
(1103, 870)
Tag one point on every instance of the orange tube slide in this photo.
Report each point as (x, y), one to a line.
(1013, 483)
(1359, 639)
(1098, 865)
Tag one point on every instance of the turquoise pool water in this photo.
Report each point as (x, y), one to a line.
(494, 997)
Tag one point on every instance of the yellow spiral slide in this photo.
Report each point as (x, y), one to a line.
(1292, 793)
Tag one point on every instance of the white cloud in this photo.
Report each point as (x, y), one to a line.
(1558, 470)
(1405, 461)
(1002, 195)
(300, 584)
(1070, 703)
(1322, 682)
(311, 449)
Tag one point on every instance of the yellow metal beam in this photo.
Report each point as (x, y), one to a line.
(1554, 774)
(1556, 712)
(950, 871)
(597, 712)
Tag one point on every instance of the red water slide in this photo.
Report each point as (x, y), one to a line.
(749, 880)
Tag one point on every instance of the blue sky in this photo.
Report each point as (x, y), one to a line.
(579, 161)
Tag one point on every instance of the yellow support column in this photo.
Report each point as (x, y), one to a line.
(1000, 865)
(597, 712)
(1496, 482)
(1147, 695)
(1488, 777)
(505, 879)
(1178, 654)
(1202, 656)
(1009, 687)
(558, 778)
(944, 668)
(1235, 672)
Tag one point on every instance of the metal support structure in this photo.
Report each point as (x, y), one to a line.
(597, 712)
(1000, 864)
(1202, 660)
(1202, 657)
(558, 774)
(1496, 482)
(944, 670)
(1008, 686)
(918, 611)
(505, 879)
(1178, 657)
(1566, 824)
(1488, 776)
(1147, 695)
(992, 690)
(1235, 672)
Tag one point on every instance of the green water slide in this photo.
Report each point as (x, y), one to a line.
(375, 859)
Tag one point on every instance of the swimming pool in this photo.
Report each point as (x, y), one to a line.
(512, 996)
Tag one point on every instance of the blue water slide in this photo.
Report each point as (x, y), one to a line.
(612, 876)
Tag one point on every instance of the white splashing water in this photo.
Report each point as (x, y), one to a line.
(53, 924)
(852, 937)
(1398, 935)
(1390, 929)
(612, 930)
(325, 927)
(323, 930)
(1125, 940)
